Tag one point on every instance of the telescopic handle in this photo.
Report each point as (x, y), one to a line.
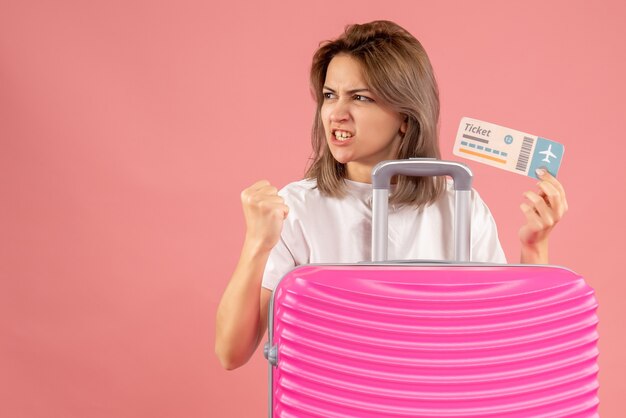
(421, 167)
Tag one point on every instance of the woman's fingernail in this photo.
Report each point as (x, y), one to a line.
(540, 172)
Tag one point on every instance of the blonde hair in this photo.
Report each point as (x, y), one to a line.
(395, 66)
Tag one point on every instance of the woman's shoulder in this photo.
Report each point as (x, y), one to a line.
(449, 192)
(300, 187)
(447, 198)
(300, 191)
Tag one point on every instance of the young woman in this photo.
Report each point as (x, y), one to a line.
(377, 100)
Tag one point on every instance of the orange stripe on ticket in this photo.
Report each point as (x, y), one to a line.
(478, 154)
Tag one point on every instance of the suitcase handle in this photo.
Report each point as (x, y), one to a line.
(421, 167)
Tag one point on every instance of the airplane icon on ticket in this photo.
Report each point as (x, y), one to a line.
(548, 154)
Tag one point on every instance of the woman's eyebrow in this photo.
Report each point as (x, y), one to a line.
(349, 91)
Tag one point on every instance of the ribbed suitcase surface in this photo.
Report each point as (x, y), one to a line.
(430, 340)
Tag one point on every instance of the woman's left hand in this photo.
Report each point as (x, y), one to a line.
(543, 210)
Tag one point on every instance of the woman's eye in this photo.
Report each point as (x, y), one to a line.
(361, 98)
(327, 95)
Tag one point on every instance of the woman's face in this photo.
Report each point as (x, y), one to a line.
(360, 131)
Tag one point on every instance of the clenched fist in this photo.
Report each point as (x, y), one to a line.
(265, 212)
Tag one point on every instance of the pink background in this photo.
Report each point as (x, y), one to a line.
(129, 128)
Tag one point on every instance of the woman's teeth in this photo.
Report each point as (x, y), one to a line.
(342, 136)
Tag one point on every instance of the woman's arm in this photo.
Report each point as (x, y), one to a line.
(242, 313)
(543, 211)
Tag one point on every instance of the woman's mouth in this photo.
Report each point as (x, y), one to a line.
(341, 136)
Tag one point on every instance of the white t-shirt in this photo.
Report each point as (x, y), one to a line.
(321, 229)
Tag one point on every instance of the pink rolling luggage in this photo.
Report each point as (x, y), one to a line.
(430, 339)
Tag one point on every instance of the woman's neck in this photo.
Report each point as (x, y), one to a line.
(363, 174)
(360, 173)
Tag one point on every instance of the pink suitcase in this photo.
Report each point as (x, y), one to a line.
(428, 339)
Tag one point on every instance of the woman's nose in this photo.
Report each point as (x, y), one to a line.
(339, 112)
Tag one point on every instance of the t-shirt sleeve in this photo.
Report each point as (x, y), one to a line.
(278, 264)
(292, 249)
(485, 243)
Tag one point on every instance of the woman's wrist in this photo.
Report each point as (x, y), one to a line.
(255, 248)
(536, 253)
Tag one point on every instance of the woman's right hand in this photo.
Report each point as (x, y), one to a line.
(265, 212)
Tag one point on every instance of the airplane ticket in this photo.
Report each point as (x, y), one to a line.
(506, 148)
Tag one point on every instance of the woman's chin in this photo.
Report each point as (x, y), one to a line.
(341, 157)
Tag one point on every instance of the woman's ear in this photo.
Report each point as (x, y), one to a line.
(404, 124)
